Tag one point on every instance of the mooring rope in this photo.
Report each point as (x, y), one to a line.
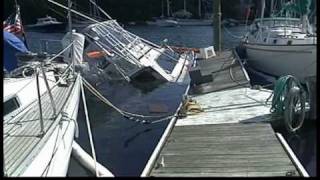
(231, 34)
(88, 127)
(128, 115)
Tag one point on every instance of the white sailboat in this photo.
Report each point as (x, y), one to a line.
(282, 46)
(41, 100)
(183, 17)
(163, 21)
(180, 18)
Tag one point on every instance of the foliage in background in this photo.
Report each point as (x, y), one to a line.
(123, 10)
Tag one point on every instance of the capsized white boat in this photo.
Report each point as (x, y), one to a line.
(130, 55)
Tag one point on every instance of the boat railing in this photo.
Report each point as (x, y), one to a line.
(126, 47)
(50, 45)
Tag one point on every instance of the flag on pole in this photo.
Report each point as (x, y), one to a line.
(13, 24)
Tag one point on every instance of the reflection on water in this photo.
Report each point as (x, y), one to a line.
(124, 146)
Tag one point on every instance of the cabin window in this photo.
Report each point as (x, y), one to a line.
(289, 42)
(10, 105)
(274, 41)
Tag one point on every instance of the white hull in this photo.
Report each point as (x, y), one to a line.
(296, 60)
(163, 23)
(194, 22)
(59, 142)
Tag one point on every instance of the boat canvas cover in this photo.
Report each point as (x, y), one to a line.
(12, 45)
(78, 46)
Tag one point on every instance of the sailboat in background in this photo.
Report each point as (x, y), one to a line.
(80, 23)
(183, 17)
(162, 20)
(283, 45)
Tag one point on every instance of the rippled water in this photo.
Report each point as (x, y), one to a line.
(124, 146)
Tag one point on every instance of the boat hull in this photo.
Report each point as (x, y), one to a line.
(279, 60)
(54, 157)
(47, 28)
(163, 23)
(194, 22)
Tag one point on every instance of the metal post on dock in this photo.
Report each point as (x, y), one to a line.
(217, 25)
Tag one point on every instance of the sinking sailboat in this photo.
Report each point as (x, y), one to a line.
(131, 55)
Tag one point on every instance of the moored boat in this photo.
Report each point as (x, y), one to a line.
(282, 46)
(41, 98)
(47, 24)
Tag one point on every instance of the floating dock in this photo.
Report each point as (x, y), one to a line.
(231, 149)
(230, 136)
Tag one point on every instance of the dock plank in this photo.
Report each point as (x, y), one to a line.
(231, 149)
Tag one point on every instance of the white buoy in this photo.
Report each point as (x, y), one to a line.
(87, 161)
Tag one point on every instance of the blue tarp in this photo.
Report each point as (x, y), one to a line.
(11, 44)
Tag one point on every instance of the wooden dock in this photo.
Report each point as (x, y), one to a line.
(230, 137)
(223, 150)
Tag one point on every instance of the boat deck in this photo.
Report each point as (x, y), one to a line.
(231, 136)
(22, 139)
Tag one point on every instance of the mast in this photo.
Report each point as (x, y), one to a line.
(263, 6)
(184, 5)
(69, 17)
(217, 25)
(168, 8)
(271, 7)
(199, 8)
(162, 15)
(70, 31)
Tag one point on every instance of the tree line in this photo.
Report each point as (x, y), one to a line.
(124, 10)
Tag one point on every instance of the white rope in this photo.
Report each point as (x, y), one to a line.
(88, 127)
(226, 30)
(122, 112)
(61, 52)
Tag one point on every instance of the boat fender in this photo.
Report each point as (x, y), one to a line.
(98, 54)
